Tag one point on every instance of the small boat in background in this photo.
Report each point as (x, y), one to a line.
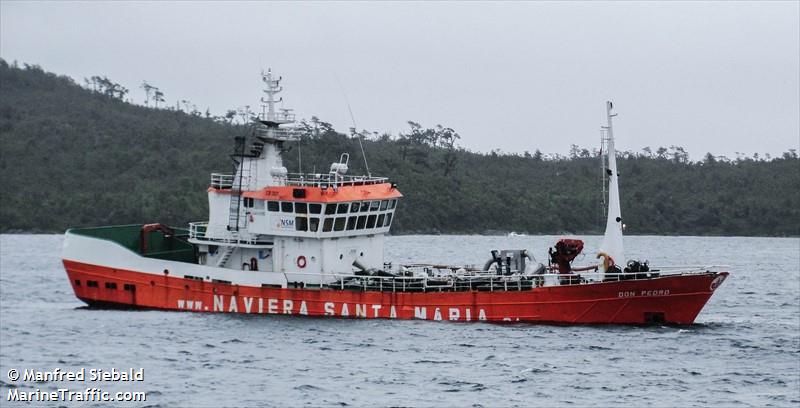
(313, 245)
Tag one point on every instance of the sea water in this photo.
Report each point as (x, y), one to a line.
(744, 349)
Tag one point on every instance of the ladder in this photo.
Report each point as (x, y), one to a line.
(238, 180)
(225, 256)
(243, 168)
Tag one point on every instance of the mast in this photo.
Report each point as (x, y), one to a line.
(273, 128)
(612, 240)
(272, 89)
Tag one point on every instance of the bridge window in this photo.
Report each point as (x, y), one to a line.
(315, 208)
(365, 206)
(327, 225)
(351, 223)
(287, 207)
(313, 224)
(392, 204)
(388, 219)
(111, 285)
(91, 284)
(339, 224)
(301, 223)
(272, 206)
(371, 221)
(379, 224)
(300, 208)
(354, 207)
(342, 209)
(248, 202)
(362, 221)
(384, 204)
(330, 209)
(373, 206)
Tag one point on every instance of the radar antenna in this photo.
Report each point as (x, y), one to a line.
(353, 131)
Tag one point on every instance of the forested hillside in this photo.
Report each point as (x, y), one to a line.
(77, 155)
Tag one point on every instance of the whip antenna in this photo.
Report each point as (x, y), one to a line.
(353, 129)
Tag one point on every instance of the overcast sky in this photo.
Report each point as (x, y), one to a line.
(719, 77)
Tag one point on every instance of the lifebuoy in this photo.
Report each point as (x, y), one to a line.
(252, 218)
(301, 261)
(608, 261)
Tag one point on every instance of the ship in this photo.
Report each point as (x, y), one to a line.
(312, 244)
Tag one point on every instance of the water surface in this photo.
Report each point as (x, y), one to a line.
(743, 351)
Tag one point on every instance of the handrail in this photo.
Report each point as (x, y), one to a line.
(197, 231)
(464, 282)
(222, 180)
(225, 181)
(278, 116)
(328, 180)
(279, 134)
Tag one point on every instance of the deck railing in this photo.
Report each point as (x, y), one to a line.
(278, 116)
(329, 180)
(469, 281)
(222, 181)
(279, 134)
(197, 231)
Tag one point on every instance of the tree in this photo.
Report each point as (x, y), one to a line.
(158, 96)
(573, 151)
(107, 87)
(230, 115)
(447, 138)
(165, 178)
(147, 90)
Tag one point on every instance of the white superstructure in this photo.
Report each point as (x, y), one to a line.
(263, 218)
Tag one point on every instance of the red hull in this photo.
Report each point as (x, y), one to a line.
(670, 299)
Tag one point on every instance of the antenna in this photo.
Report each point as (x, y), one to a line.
(353, 129)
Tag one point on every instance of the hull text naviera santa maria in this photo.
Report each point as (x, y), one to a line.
(312, 245)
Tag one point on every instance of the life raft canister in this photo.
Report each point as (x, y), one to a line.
(301, 261)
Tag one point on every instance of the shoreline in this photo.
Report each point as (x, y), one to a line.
(491, 234)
